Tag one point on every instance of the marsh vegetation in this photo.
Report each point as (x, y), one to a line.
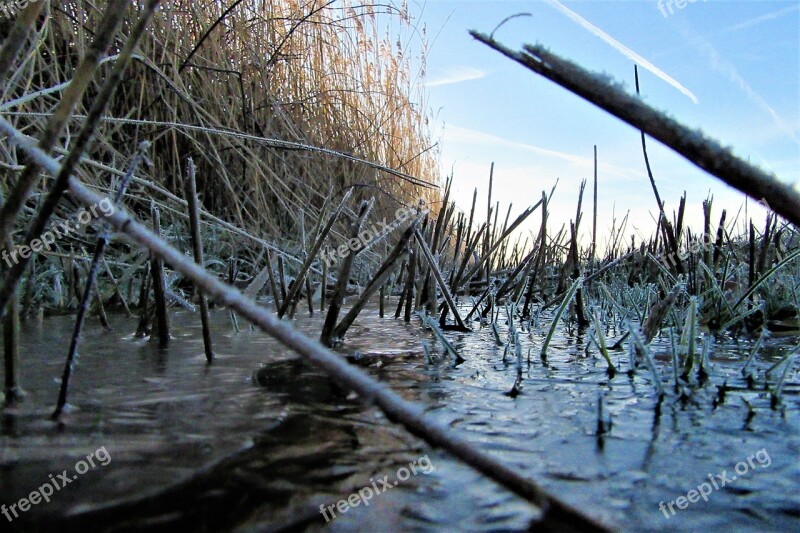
(259, 155)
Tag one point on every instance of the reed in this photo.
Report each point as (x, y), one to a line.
(328, 328)
(161, 322)
(267, 137)
(12, 389)
(144, 294)
(396, 408)
(380, 278)
(557, 317)
(89, 289)
(197, 250)
(312, 256)
(600, 337)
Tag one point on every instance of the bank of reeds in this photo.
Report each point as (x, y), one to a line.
(243, 88)
(268, 175)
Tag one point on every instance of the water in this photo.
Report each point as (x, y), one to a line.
(259, 441)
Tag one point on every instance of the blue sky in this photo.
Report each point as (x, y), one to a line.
(730, 67)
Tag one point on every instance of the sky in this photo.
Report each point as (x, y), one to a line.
(728, 67)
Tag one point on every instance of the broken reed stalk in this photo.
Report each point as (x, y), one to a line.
(82, 309)
(559, 312)
(114, 283)
(401, 300)
(281, 279)
(441, 222)
(312, 255)
(144, 296)
(426, 253)
(89, 288)
(407, 297)
(159, 286)
(693, 145)
(309, 297)
(12, 388)
(468, 238)
(398, 280)
(98, 304)
(197, 250)
(324, 287)
(594, 217)
(511, 281)
(231, 281)
(457, 248)
(478, 303)
(669, 232)
(340, 289)
(74, 280)
(423, 276)
(576, 273)
(378, 280)
(488, 237)
(707, 229)
(272, 285)
(485, 259)
(471, 246)
(766, 237)
(540, 260)
(115, 12)
(28, 293)
(411, 416)
(431, 297)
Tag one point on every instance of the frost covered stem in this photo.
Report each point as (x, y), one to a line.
(704, 152)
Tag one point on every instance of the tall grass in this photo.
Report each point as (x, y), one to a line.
(324, 74)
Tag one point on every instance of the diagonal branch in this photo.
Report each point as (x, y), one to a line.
(413, 417)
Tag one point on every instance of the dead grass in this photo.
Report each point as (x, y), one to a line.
(218, 89)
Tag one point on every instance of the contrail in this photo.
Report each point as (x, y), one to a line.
(763, 18)
(727, 69)
(624, 50)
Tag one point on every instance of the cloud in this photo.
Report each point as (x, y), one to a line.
(457, 134)
(763, 18)
(454, 75)
(624, 50)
